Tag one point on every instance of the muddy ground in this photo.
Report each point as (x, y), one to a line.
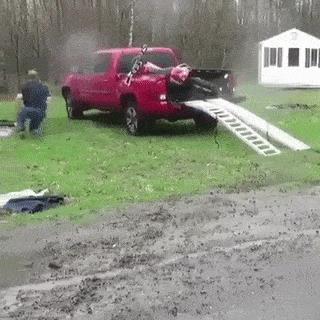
(217, 256)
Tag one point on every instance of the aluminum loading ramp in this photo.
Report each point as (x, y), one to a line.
(261, 125)
(237, 120)
(236, 126)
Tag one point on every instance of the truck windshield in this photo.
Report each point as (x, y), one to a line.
(162, 60)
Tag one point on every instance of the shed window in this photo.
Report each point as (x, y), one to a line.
(266, 57)
(294, 36)
(314, 57)
(307, 65)
(279, 57)
(273, 56)
(293, 57)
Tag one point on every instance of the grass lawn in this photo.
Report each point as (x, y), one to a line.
(97, 165)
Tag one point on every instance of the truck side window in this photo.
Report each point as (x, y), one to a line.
(102, 63)
(126, 64)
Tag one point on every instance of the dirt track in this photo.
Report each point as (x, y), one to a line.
(218, 256)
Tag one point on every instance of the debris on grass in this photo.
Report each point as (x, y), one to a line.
(33, 204)
(6, 128)
(4, 198)
(27, 201)
(6, 132)
(7, 123)
(292, 106)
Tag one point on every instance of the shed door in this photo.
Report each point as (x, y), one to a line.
(293, 58)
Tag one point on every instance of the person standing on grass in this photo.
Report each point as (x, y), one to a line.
(34, 95)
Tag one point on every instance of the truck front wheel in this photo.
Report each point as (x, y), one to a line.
(73, 110)
(133, 121)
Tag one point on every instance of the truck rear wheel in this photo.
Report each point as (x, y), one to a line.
(73, 110)
(133, 121)
(205, 122)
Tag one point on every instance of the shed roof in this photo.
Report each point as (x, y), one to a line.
(292, 36)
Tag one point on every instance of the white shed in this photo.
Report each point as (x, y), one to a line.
(290, 59)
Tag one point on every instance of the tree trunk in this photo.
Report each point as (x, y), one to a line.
(36, 46)
(59, 14)
(99, 16)
(131, 29)
(17, 58)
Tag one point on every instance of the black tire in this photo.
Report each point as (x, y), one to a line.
(134, 122)
(72, 108)
(205, 122)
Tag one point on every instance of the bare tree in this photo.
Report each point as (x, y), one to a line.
(210, 33)
(131, 29)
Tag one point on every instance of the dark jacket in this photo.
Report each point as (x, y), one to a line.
(35, 94)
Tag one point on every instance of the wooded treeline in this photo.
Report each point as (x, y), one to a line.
(48, 34)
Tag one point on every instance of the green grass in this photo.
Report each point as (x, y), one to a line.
(97, 165)
(304, 124)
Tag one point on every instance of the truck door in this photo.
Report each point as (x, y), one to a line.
(102, 87)
(84, 74)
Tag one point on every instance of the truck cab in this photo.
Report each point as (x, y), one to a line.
(96, 82)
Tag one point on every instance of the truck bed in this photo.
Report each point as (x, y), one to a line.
(204, 84)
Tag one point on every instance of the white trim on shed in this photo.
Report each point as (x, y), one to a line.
(290, 59)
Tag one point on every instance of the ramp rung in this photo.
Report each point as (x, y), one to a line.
(258, 142)
(235, 125)
(270, 152)
(231, 120)
(247, 133)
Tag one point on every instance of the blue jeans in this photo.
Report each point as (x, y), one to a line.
(36, 116)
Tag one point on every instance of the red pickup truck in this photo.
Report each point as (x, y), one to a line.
(143, 85)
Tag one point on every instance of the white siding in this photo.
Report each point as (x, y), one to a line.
(290, 76)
